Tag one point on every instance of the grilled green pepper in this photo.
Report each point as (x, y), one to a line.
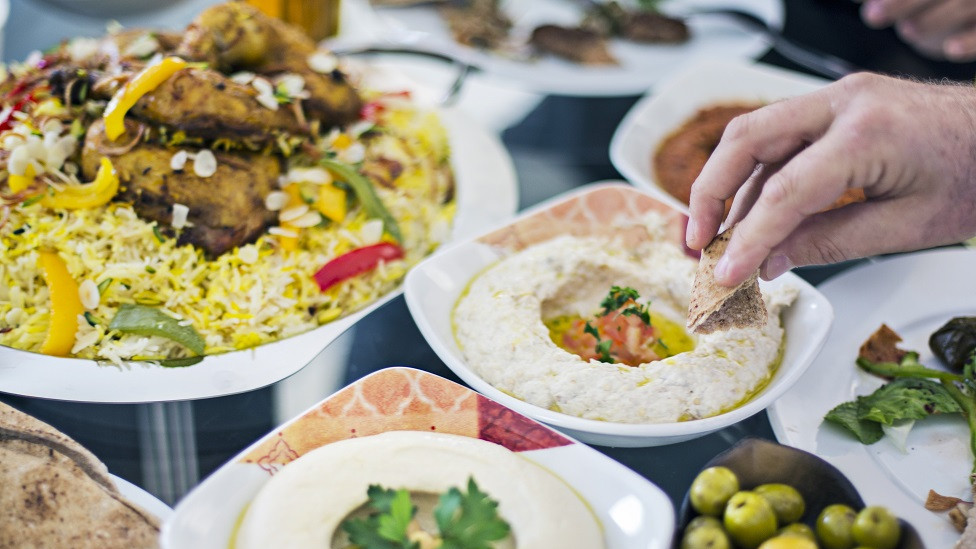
(366, 195)
(149, 321)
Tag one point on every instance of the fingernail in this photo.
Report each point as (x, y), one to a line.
(777, 264)
(954, 48)
(722, 269)
(874, 13)
(691, 232)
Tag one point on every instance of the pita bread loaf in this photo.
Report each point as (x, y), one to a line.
(55, 493)
(715, 307)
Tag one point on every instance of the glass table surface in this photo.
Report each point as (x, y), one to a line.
(557, 143)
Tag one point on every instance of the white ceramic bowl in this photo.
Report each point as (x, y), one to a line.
(434, 286)
(634, 513)
(655, 117)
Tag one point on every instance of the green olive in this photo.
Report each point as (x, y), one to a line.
(834, 525)
(788, 542)
(797, 529)
(703, 521)
(876, 527)
(712, 489)
(705, 535)
(786, 501)
(749, 519)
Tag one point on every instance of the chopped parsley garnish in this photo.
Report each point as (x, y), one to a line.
(618, 297)
(465, 520)
(158, 235)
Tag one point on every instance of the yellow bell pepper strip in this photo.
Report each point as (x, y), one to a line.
(65, 305)
(149, 321)
(18, 183)
(89, 195)
(331, 202)
(146, 81)
(356, 262)
(366, 195)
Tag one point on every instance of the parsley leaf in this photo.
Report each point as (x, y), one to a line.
(465, 520)
(603, 348)
(469, 521)
(617, 298)
(903, 398)
(589, 329)
(386, 528)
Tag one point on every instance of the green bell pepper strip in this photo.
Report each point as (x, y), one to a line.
(149, 321)
(366, 195)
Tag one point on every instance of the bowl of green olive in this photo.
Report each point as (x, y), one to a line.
(763, 495)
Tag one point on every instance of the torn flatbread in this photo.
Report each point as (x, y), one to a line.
(55, 493)
(715, 307)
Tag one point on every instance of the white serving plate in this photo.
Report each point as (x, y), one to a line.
(487, 193)
(708, 82)
(641, 65)
(914, 294)
(434, 286)
(634, 513)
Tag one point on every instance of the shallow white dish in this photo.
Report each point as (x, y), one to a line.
(634, 513)
(143, 499)
(487, 193)
(434, 286)
(913, 294)
(655, 117)
(641, 65)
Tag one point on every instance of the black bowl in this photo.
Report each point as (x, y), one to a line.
(757, 461)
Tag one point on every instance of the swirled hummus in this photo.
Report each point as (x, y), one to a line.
(501, 328)
(303, 505)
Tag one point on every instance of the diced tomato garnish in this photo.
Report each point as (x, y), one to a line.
(632, 341)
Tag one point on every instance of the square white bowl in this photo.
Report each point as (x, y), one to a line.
(433, 288)
(633, 512)
(652, 119)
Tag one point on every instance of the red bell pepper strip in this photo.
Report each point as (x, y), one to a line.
(356, 262)
(6, 118)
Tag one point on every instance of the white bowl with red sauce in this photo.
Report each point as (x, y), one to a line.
(710, 83)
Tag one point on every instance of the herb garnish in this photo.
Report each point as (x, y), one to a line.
(465, 520)
(602, 345)
(620, 296)
(915, 392)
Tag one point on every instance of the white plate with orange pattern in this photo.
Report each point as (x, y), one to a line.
(633, 513)
(603, 209)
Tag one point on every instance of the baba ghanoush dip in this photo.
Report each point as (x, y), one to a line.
(594, 328)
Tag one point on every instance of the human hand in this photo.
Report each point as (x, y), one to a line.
(911, 148)
(936, 28)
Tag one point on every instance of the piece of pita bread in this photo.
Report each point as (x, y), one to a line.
(55, 493)
(715, 307)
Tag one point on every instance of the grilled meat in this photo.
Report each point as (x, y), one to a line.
(648, 27)
(573, 43)
(207, 104)
(654, 28)
(226, 209)
(235, 36)
(478, 23)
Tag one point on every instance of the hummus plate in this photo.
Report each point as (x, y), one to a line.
(600, 211)
(632, 512)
